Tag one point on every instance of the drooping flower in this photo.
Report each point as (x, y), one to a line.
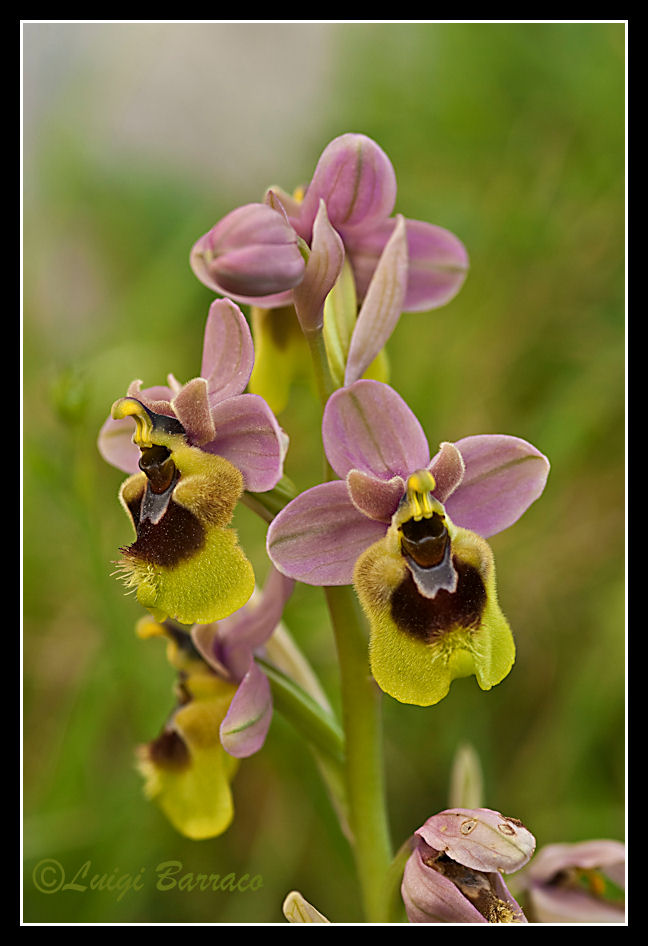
(454, 872)
(345, 213)
(409, 532)
(223, 713)
(197, 447)
(577, 883)
(186, 770)
(228, 647)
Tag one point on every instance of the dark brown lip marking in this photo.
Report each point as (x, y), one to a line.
(167, 533)
(169, 751)
(429, 618)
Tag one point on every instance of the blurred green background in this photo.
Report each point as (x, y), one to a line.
(137, 139)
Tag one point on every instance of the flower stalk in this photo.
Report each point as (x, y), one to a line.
(361, 719)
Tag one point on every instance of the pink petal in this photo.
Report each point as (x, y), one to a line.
(382, 305)
(503, 476)
(191, 407)
(369, 427)
(356, 180)
(228, 351)
(248, 435)
(322, 270)
(377, 499)
(319, 536)
(448, 469)
(115, 444)
(438, 262)
(479, 838)
(245, 727)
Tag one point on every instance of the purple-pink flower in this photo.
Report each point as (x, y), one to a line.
(408, 530)
(191, 451)
(292, 251)
(577, 883)
(454, 872)
(223, 711)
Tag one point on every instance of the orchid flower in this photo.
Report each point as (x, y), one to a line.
(342, 221)
(577, 883)
(409, 532)
(454, 872)
(197, 447)
(223, 714)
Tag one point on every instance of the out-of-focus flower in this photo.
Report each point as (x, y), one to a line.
(577, 883)
(454, 872)
(223, 713)
(228, 646)
(298, 910)
(409, 532)
(345, 213)
(197, 447)
(186, 770)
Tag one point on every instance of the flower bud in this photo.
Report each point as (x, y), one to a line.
(356, 180)
(251, 252)
(453, 874)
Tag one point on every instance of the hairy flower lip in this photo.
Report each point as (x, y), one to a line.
(428, 626)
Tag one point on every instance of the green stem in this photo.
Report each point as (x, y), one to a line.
(362, 719)
(323, 379)
(268, 504)
(364, 757)
(307, 716)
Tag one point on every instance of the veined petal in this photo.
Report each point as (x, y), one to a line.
(438, 262)
(228, 352)
(298, 910)
(382, 306)
(322, 270)
(479, 838)
(504, 475)
(356, 180)
(319, 535)
(245, 727)
(369, 427)
(248, 435)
